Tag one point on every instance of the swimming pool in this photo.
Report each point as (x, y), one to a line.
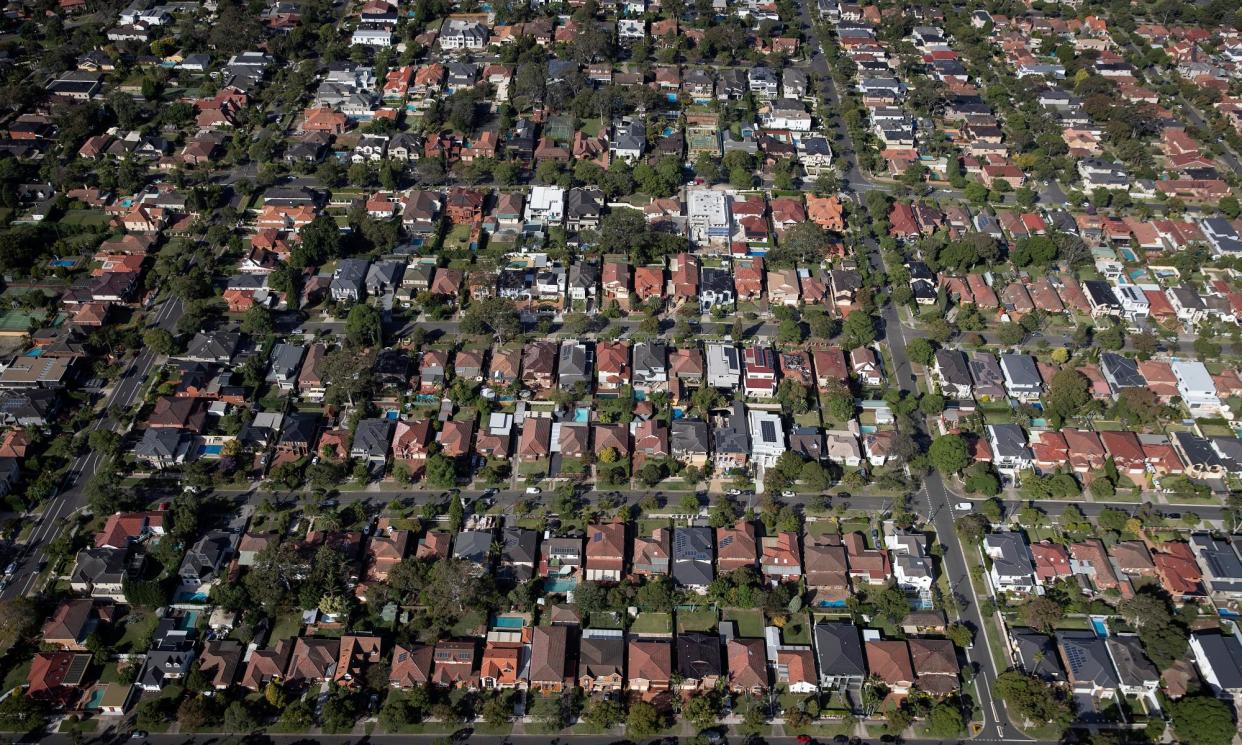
(65, 263)
(867, 428)
(190, 619)
(558, 585)
(96, 699)
(191, 597)
(1100, 626)
(582, 414)
(211, 449)
(508, 622)
(679, 413)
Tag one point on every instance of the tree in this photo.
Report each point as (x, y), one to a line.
(159, 341)
(603, 714)
(858, 329)
(363, 326)
(643, 720)
(21, 713)
(703, 711)
(1202, 720)
(1010, 334)
(960, 634)
(1033, 699)
(921, 350)
(1042, 613)
(948, 454)
(945, 722)
(442, 473)
(1068, 392)
(804, 242)
(239, 719)
(320, 241)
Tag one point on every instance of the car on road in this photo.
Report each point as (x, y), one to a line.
(138, 734)
(534, 490)
(963, 506)
(734, 492)
(12, 567)
(789, 494)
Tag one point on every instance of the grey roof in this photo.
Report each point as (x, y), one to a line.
(300, 427)
(1197, 450)
(1220, 560)
(1100, 293)
(1009, 441)
(698, 655)
(692, 556)
(349, 274)
(213, 346)
(953, 366)
(1225, 656)
(1086, 658)
(1020, 369)
(807, 442)
(715, 280)
(986, 372)
(584, 274)
(689, 436)
(734, 436)
(1014, 558)
(1037, 655)
(631, 135)
(520, 546)
(384, 274)
(286, 360)
(574, 362)
(372, 437)
(99, 566)
(473, 545)
(164, 665)
(584, 202)
(839, 651)
(1133, 667)
(1121, 372)
(161, 442)
(650, 356)
(206, 556)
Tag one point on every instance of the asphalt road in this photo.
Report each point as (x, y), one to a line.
(72, 496)
(158, 739)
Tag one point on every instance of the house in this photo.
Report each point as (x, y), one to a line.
(780, 557)
(951, 371)
(724, 368)
(601, 663)
(649, 665)
(1012, 569)
(1197, 389)
(503, 666)
(538, 365)
(550, 670)
(312, 660)
(1089, 667)
(650, 366)
(1022, 380)
(795, 669)
(690, 442)
(935, 666)
(736, 547)
(865, 365)
(575, 364)
(545, 206)
(759, 368)
(411, 666)
(73, 621)
(347, 280)
(841, 660)
(518, 554)
(888, 661)
(748, 668)
(1221, 563)
(987, 376)
(200, 568)
(1010, 452)
(266, 665)
(56, 678)
(652, 554)
(454, 664)
(354, 655)
(372, 438)
(605, 552)
(699, 662)
(1036, 654)
(767, 437)
(1219, 659)
(1136, 674)
(692, 558)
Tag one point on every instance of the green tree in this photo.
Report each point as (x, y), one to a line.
(858, 329)
(1202, 720)
(1068, 393)
(442, 472)
(363, 326)
(945, 721)
(921, 350)
(159, 341)
(643, 720)
(948, 454)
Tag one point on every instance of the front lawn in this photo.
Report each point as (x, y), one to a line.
(696, 620)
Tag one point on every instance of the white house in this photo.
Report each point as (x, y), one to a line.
(1012, 569)
(1196, 387)
(546, 205)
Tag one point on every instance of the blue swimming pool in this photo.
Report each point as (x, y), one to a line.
(1100, 626)
(211, 449)
(65, 263)
(191, 597)
(867, 428)
(190, 620)
(582, 414)
(558, 585)
(36, 352)
(679, 413)
(508, 622)
(95, 701)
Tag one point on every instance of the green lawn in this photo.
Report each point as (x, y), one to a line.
(749, 621)
(139, 625)
(696, 620)
(288, 626)
(652, 623)
(797, 630)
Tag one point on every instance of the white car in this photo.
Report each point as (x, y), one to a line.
(789, 494)
(534, 490)
(963, 506)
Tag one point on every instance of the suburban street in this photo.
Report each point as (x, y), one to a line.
(72, 497)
